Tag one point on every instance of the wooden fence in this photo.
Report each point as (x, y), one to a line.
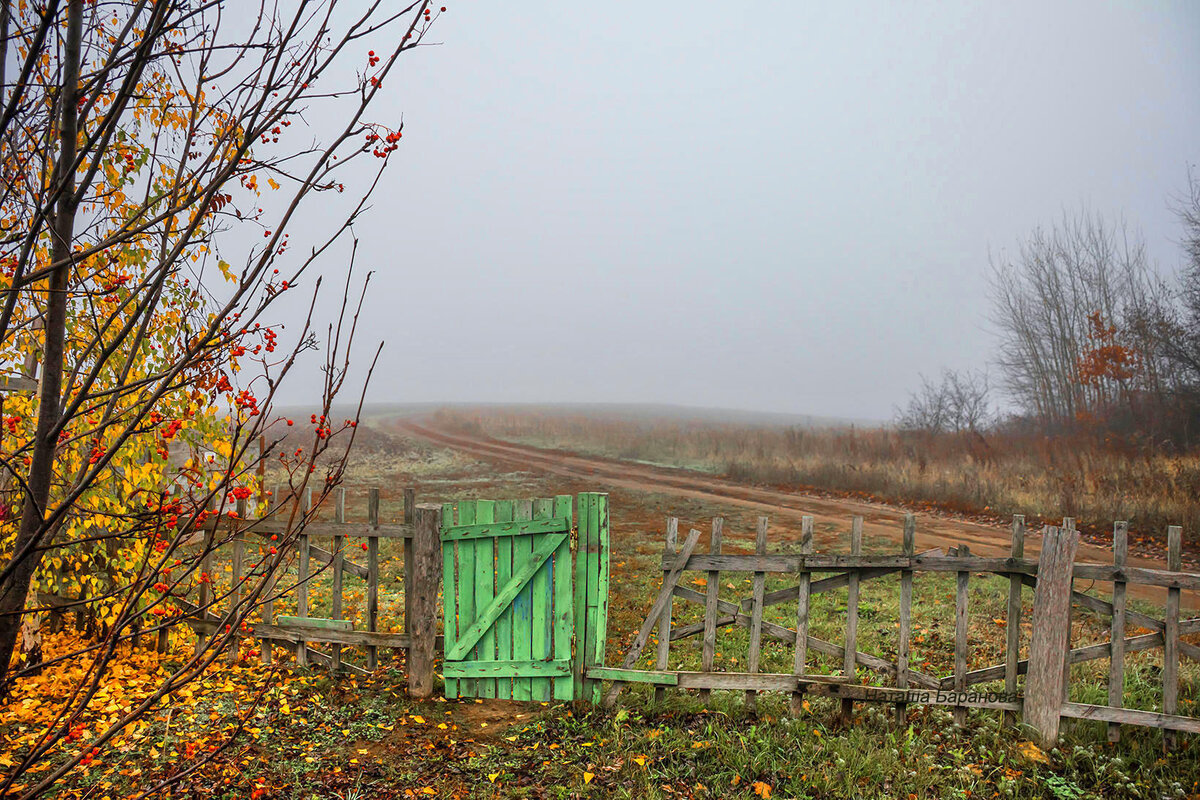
(310, 626)
(1050, 654)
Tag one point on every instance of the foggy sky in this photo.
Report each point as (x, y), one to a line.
(776, 206)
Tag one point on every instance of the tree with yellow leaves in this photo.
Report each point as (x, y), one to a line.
(133, 136)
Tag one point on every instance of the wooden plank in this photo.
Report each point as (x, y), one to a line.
(423, 596)
(504, 635)
(495, 530)
(373, 576)
(339, 563)
(485, 592)
(1077, 655)
(1129, 716)
(1171, 636)
(849, 659)
(522, 606)
(410, 507)
(449, 596)
(235, 593)
(292, 634)
(1049, 641)
(597, 589)
(657, 677)
(540, 639)
(302, 555)
(1116, 667)
(326, 557)
(266, 527)
(484, 618)
(664, 597)
(1068, 524)
(494, 670)
(905, 632)
(712, 591)
(788, 593)
(800, 654)
(789, 636)
(563, 688)
(664, 620)
(759, 587)
(961, 631)
(322, 623)
(466, 589)
(1012, 620)
(206, 581)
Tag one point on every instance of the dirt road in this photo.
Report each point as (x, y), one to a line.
(879, 521)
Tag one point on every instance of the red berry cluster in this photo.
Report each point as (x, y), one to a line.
(242, 492)
(247, 401)
(11, 422)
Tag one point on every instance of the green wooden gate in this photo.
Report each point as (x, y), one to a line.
(515, 626)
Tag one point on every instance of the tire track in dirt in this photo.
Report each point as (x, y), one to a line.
(879, 520)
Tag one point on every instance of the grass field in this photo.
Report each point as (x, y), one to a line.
(313, 737)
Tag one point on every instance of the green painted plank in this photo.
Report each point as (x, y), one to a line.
(543, 509)
(508, 528)
(600, 617)
(316, 622)
(593, 592)
(562, 619)
(486, 617)
(485, 592)
(449, 596)
(634, 675)
(509, 668)
(541, 617)
(466, 589)
(580, 600)
(522, 607)
(504, 640)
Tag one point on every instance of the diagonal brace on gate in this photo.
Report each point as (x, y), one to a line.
(487, 618)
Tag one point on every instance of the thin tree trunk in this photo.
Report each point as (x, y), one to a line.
(41, 469)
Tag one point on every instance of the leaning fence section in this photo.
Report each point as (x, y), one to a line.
(318, 632)
(1035, 687)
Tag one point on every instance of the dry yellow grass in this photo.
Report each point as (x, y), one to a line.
(992, 473)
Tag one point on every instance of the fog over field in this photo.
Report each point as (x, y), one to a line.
(782, 206)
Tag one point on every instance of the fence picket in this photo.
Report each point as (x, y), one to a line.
(664, 619)
(1171, 635)
(712, 591)
(906, 588)
(756, 614)
(485, 591)
(1012, 621)
(504, 627)
(850, 658)
(373, 575)
(1116, 667)
(802, 595)
(961, 600)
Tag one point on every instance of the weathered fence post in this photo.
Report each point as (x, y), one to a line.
(802, 596)
(906, 590)
(961, 632)
(1116, 666)
(664, 619)
(373, 574)
(712, 589)
(410, 502)
(850, 657)
(421, 598)
(1171, 635)
(1051, 634)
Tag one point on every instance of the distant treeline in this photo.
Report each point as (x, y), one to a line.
(1093, 340)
